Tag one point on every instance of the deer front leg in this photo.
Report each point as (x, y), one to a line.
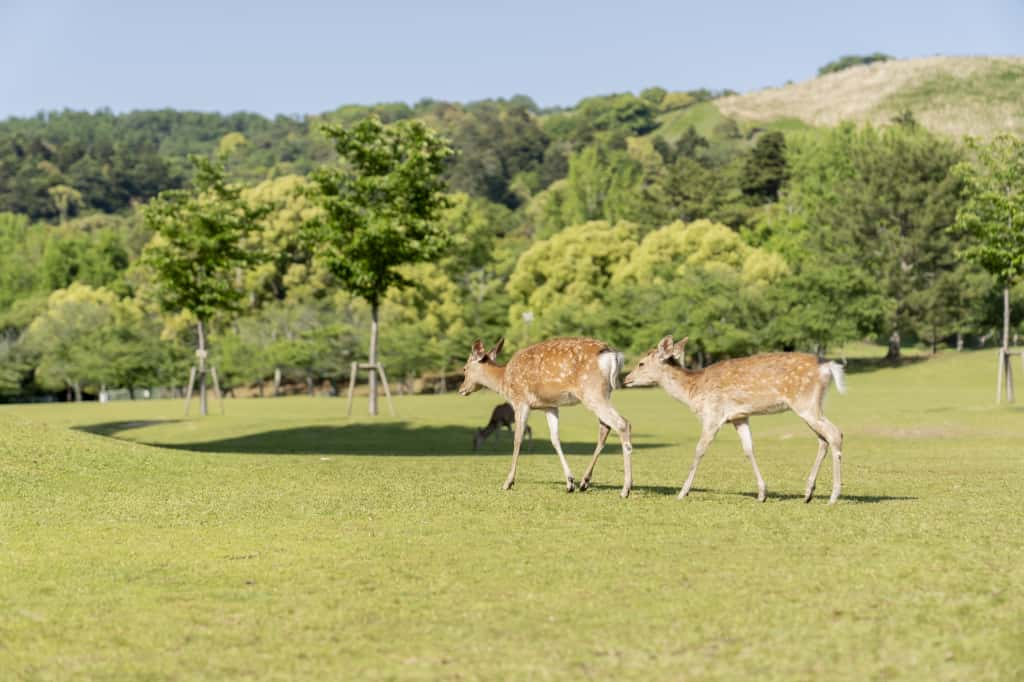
(521, 415)
(602, 436)
(707, 435)
(552, 415)
(747, 441)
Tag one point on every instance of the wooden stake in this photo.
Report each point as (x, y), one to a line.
(191, 385)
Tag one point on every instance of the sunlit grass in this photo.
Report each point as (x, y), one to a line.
(285, 541)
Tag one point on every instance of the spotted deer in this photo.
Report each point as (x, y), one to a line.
(549, 375)
(502, 415)
(734, 390)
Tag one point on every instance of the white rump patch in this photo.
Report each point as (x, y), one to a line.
(610, 362)
(838, 375)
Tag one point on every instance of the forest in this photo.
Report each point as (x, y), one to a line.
(625, 217)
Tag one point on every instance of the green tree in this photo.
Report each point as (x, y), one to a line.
(765, 169)
(380, 209)
(198, 250)
(992, 218)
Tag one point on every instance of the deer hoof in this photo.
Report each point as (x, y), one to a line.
(808, 495)
(507, 485)
(625, 493)
(584, 484)
(570, 485)
(762, 495)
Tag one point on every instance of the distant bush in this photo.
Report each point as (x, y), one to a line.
(849, 60)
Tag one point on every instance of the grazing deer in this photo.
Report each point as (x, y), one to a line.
(734, 390)
(546, 376)
(502, 415)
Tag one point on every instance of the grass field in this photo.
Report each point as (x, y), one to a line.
(285, 541)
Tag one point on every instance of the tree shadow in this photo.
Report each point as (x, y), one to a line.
(389, 438)
(111, 429)
(868, 365)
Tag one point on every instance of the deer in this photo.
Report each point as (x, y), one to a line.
(502, 415)
(734, 390)
(552, 374)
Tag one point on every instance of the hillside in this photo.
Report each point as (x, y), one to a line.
(956, 96)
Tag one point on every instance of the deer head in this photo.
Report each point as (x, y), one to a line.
(651, 367)
(474, 372)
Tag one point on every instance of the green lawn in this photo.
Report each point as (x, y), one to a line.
(284, 541)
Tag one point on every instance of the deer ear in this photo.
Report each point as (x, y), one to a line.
(497, 349)
(665, 348)
(679, 349)
(478, 350)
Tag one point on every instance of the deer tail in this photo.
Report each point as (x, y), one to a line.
(611, 361)
(838, 375)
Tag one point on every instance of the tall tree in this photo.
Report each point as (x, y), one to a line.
(992, 219)
(198, 249)
(380, 207)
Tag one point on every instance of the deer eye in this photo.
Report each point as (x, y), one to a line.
(641, 364)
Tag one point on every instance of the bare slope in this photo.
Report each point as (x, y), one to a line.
(952, 95)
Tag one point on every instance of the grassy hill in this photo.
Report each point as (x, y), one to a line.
(958, 96)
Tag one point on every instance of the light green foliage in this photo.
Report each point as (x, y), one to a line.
(992, 217)
(199, 243)
(379, 207)
(287, 542)
(563, 280)
(698, 279)
(90, 336)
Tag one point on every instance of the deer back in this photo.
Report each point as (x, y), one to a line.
(561, 372)
(760, 384)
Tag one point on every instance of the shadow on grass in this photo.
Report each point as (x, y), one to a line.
(390, 438)
(111, 429)
(868, 365)
(674, 491)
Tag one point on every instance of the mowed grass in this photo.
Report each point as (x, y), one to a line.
(285, 541)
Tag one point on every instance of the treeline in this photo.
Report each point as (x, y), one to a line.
(600, 219)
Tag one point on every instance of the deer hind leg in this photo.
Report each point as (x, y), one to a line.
(602, 436)
(830, 434)
(521, 416)
(747, 441)
(552, 415)
(813, 478)
(707, 435)
(610, 416)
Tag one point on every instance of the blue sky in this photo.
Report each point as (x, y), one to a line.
(306, 57)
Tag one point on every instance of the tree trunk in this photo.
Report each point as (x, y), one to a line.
(959, 341)
(201, 354)
(309, 384)
(373, 359)
(277, 381)
(131, 393)
(78, 391)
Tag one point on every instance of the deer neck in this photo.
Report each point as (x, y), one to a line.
(493, 377)
(681, 384)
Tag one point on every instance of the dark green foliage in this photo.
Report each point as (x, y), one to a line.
(847, 61)
(765, 169)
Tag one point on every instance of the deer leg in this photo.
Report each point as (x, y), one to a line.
(743, 429)
(552, 415)
(521, 415)
(813, 478)
(830, 433)
(602, 436)
(707, 435)
(608, 415)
